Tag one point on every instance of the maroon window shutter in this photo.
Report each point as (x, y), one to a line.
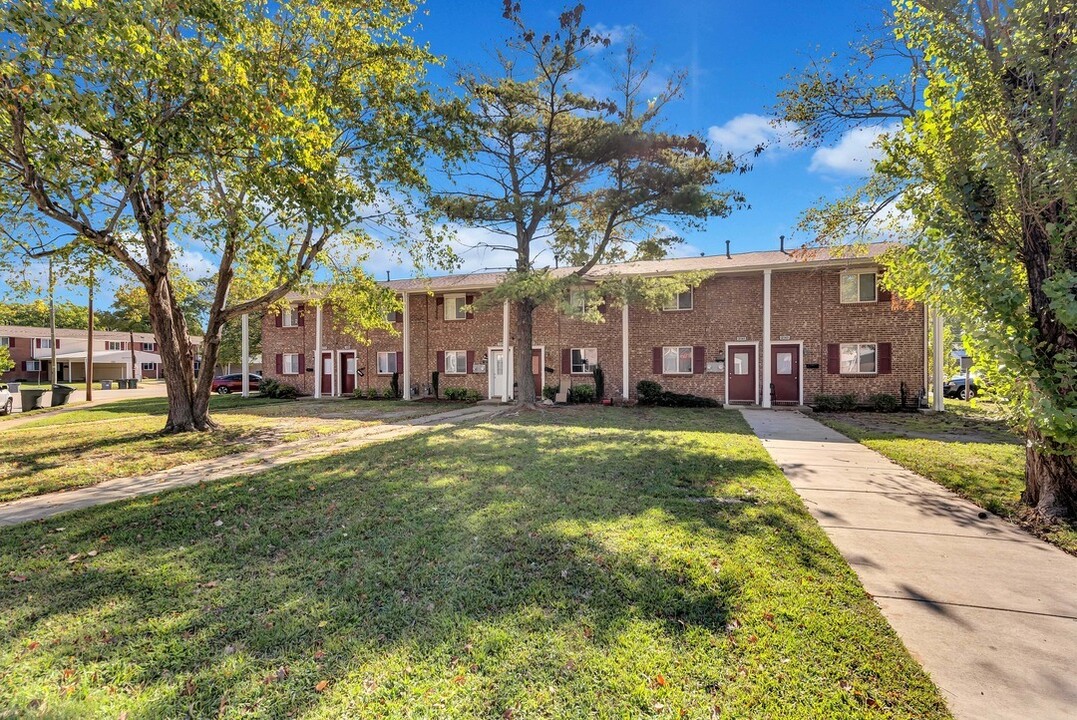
(470, 360)
(279, 320)
(656, 361)
(57, 343)
(883, 359)
(280, 364)
(301, 312)
(38, 342)
(833, 358)
(302, 363)
(441, 361)
(699, 360)
(469, 299)
(400, 362)
(24, 366)
(566, 361)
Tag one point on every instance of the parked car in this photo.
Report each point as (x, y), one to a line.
(955, 388)
(224, 384)
(6, 401)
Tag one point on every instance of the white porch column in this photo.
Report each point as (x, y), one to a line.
(319, 364)
(505, 353)
(406, 321)
(245, 354)
(626, 382)
(766, 338)
(936, 340)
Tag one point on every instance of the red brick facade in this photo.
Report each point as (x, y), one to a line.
(806, 312)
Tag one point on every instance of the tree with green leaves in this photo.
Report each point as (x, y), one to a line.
(555, 164)
(264, 135)
(984, 168)
(35, 313)
(6, 363)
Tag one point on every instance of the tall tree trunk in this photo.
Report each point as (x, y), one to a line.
(1050, 478)
(525, 382)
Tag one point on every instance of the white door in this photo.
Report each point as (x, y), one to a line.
(497, 370)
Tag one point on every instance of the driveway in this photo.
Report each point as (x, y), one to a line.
(988, 610)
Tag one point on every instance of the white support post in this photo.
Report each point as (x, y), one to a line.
(319, 362)
(938, 380)
(245, 354)
(505, 353)
(406, 375)
(766, 338)
(625, 380)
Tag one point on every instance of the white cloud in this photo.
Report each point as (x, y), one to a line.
(747, 131)
(855, 154)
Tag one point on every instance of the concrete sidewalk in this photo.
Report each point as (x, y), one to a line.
(245, 463)
(988, 610)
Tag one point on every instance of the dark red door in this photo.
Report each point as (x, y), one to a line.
(785, 373)
(740, 374)
(327, 373)
(347, 373)
(537, 370)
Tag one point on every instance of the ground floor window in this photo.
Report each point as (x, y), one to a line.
(584, 360)
(858, 358)
(387, 363)
(677, 360)
(291, 364)
(33, 365)
(455, 362)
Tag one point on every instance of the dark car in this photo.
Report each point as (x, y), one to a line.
(225, 384)
(955, 388)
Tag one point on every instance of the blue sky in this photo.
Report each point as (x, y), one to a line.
(735, 54)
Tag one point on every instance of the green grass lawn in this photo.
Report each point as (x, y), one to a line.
(969, 450)
(84, 447)
(598, 563)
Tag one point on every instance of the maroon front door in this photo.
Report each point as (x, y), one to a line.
(327, 373)
(740, 374)
(537, 370)
(785, 374)
(347, 373)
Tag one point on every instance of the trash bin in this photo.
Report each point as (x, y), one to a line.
(32, 399)
(122, 384)
(61, 394)
(132, 384)
(106, 384)
(13, 387)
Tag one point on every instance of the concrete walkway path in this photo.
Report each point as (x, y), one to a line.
(245, 463)
(988, 610)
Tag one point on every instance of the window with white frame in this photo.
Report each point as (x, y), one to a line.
(680, 301)
(676, 360)
(5, 341)
(859, 358)
(579, 300)
(387, 363)
(149, 366)
(858, 287)
(113, 345)
(148, 346)
(45, 343)
(289, 317)
(291, 364)
(33, 365)
(456, 307)
(584, 360)
(455, 362)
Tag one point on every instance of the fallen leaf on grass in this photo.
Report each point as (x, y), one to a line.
(17, 578)
(318, 655)
(322, 685)
(660, 680)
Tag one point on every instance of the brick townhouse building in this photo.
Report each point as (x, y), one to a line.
(31, 351)
(770, 327)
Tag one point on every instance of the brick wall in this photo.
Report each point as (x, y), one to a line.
(727, 308)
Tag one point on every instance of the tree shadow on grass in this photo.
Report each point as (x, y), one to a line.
(486, 561)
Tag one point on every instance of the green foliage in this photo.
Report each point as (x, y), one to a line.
(272, 388)
(458, 394)
(359, 393)
(388, 393)
(835, 403)
(883, 402)
(549, 392)
(6, 363)
(36, 314)
(600, 381)
(579, 394)
(648, 392)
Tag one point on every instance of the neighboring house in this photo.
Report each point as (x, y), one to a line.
(31, 350)
(832, 330)
(255, 366)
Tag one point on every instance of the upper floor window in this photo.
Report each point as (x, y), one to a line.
(584, 360)
(677, 360)
(858, 287)
(113, 345)
(680, 301)
(289, 317)
(456, 307)
(5, 341)
(149, 347)
(579, 300)
(44, 343)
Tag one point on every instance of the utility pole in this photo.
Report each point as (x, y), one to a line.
(89, 343)
(52, 325)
